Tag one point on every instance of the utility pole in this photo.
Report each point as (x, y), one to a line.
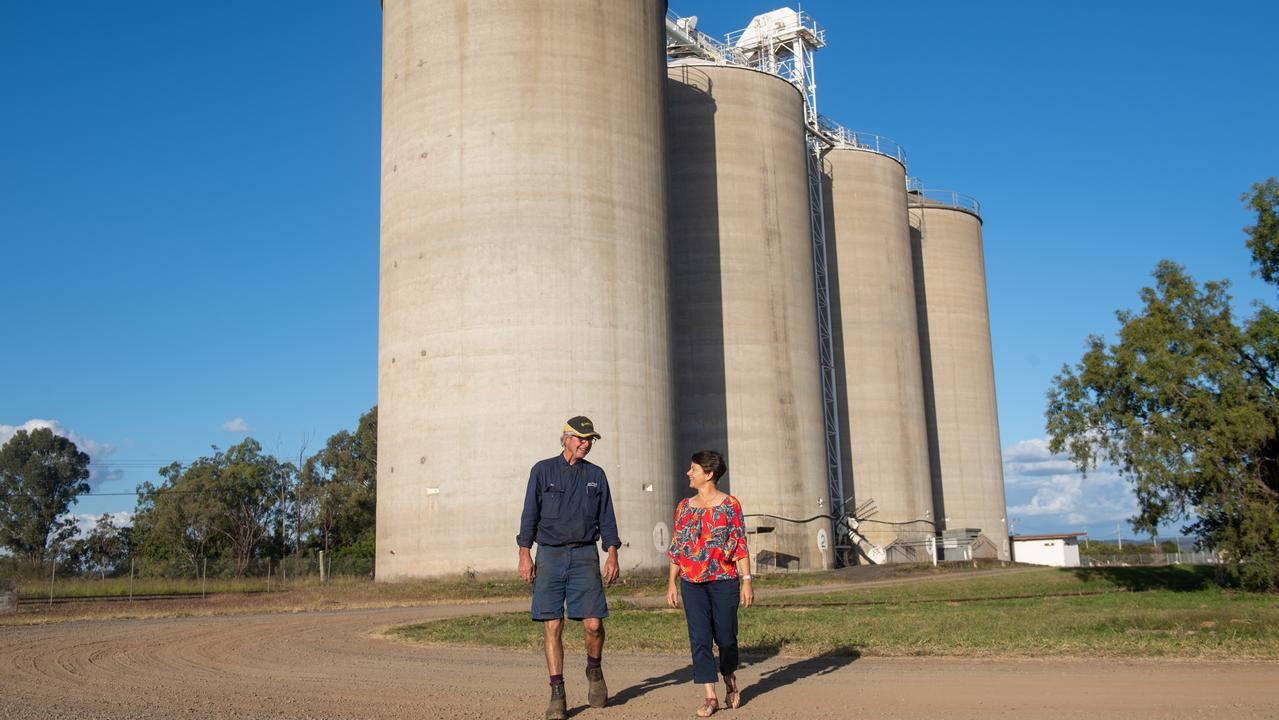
(1119, 533)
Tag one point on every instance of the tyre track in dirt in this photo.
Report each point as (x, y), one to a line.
(339, 665)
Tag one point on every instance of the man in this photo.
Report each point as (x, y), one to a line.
(567, 508)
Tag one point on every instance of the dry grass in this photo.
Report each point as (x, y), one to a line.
(249, 596)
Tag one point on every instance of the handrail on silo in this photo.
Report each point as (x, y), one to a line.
(683, 37)
(922, 197)
(803, 25)
(841, 136)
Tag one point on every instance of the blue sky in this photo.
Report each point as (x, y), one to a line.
(189, 202)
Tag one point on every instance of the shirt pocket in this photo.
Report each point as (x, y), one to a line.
(551, 502)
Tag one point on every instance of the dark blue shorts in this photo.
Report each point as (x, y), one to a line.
(568, 576)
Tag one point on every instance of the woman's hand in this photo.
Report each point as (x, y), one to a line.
(748, 594)
(672, 595)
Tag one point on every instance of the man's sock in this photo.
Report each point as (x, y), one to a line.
(592, 662)
(557, 679)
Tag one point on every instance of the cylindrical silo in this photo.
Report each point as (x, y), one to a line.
(877, 360)
(744, 328)
(959, 373)
(523, 271)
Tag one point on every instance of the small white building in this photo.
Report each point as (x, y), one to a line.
(1060, 550)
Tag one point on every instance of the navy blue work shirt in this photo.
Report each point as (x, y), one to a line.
(567, 504)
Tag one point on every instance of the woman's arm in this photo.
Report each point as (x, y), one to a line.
(672, 592)
(741, 554)
(672, 552)
(748, 589)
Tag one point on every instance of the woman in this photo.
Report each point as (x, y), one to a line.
(710, 558)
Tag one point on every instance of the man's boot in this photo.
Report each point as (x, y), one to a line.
(557, 708)
(597, 693)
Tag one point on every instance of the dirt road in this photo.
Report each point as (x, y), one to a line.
(337, 665)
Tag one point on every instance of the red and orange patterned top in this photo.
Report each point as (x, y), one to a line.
(708, 542)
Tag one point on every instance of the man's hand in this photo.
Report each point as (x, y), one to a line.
(611, 570)
(672, 595)
(527, 571)
(747, 595)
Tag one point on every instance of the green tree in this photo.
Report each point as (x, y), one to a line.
(338, 492)
(248, 489)
(219, 506)
(103, 549)
(1263, 238)
(41, 474)
(1185, 405)
(173, 520)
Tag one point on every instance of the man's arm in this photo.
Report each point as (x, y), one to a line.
(607, 520)
(528, 527)
(608, 532)
(611, 569)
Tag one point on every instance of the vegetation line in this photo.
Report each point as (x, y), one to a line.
(910, 601)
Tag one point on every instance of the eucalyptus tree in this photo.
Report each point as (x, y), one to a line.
(41, 474)
(1185, 403)
(338, 492)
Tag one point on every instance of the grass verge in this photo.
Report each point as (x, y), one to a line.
(1174, 612)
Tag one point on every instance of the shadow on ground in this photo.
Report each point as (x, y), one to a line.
(649, 684)
(750, 655)
(827, 662)
(1178, 578)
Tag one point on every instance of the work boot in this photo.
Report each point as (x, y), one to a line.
(557, 708)
(597, 694)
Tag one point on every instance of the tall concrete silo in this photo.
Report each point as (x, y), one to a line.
(877, 356)
(523, 271)
(959, 374)
(744, 329)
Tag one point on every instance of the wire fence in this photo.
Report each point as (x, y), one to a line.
(1177, 558)
(141, 578)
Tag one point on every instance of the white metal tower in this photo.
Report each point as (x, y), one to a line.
(782, 42)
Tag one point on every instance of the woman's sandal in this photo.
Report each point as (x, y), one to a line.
(732, 698)
(708, 708)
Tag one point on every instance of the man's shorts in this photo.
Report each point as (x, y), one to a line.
(568, 575)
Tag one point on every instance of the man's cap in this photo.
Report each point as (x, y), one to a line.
(581, 426)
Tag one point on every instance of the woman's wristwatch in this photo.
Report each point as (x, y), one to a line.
(748, 576)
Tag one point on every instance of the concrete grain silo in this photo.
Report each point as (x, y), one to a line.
(744, 329)
(959, 375)
(877, 355)
(523, 271)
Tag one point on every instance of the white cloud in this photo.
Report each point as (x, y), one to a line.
(100, 470)
(84, 523)
(237, 425)
(1045, 492)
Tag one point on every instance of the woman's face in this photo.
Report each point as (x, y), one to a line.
(697, 477)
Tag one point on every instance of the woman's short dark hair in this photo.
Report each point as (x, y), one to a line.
(711, 462)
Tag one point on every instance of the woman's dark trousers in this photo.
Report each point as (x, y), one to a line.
(711, 611)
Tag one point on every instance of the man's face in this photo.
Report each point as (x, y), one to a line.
(578, 446)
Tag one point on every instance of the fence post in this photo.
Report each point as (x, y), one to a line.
(130, 579)
(8, 596)
(321, 567)
(204, 575)
(268, 574)
(53, 571)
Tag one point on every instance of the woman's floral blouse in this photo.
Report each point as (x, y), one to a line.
(708, 542)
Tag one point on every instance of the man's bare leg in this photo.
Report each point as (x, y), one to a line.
(553, 635)
(593, 628)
